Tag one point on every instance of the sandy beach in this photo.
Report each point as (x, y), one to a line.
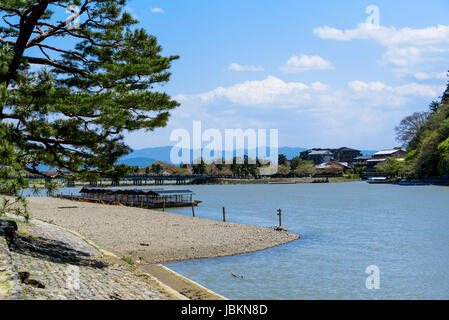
(150, 236)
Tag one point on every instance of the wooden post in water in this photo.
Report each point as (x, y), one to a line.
(163, 208)
(224, 214)
(280, 220)
(193, 209)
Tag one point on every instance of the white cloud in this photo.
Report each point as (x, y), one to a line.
(362, 113)
(406, 90)
(388, 36)
(319, 86)
(306, 63)
(427, 76)
(403, 57)
(419, 90)
(237, 67)
(264, 92)
(362, 86)
(274, 93)
(379, 95)
(157, 10)
(408, 49)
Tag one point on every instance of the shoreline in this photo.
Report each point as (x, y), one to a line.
(230, 181)
(173, 284)
(149, 237)
(166, 281)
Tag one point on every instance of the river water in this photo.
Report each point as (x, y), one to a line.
(345, 227)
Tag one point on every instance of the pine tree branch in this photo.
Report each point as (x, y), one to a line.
(55, 64)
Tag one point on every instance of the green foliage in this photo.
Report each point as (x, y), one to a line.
(51, 187)
(200, 168)
(178, 171)
(443, 164)
(96, 84)
(431, 158)
(411, 155)
(282, 160)
(445, 96)
(12, 181)
(359, 171)
(351, 176)
(443, 147)
(295, 163)
(156, 168)
(245, 167)
(428, 150)
(128, 260)
(283, 170)
(391, 168)
(305, 170)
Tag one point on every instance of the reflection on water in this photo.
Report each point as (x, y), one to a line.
(344, 227)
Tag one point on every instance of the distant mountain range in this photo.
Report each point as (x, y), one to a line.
(145, 157)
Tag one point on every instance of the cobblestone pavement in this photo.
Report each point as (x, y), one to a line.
(52, 263)
(10, 287)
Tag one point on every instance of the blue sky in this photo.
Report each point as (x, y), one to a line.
(314, 70)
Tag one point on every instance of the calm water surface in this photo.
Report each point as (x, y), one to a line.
(344, 227)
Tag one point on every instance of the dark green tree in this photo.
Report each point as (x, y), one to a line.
(445, 97)
(295, 163)
(199, 168)
(282, 160)
(433, 106)
(220, 164)
(156, 168)
(428, 149)
(96, 80)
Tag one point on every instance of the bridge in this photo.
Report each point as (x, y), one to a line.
(180, 179)
(143, 179)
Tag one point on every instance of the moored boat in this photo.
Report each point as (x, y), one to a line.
(378, 180)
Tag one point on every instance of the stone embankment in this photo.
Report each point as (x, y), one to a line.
(43, 261)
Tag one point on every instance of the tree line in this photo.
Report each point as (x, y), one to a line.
(241, 167)
(425, 135)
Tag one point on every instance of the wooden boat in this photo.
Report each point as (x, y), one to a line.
(140, 198)
(378, 180)
(409, 183)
